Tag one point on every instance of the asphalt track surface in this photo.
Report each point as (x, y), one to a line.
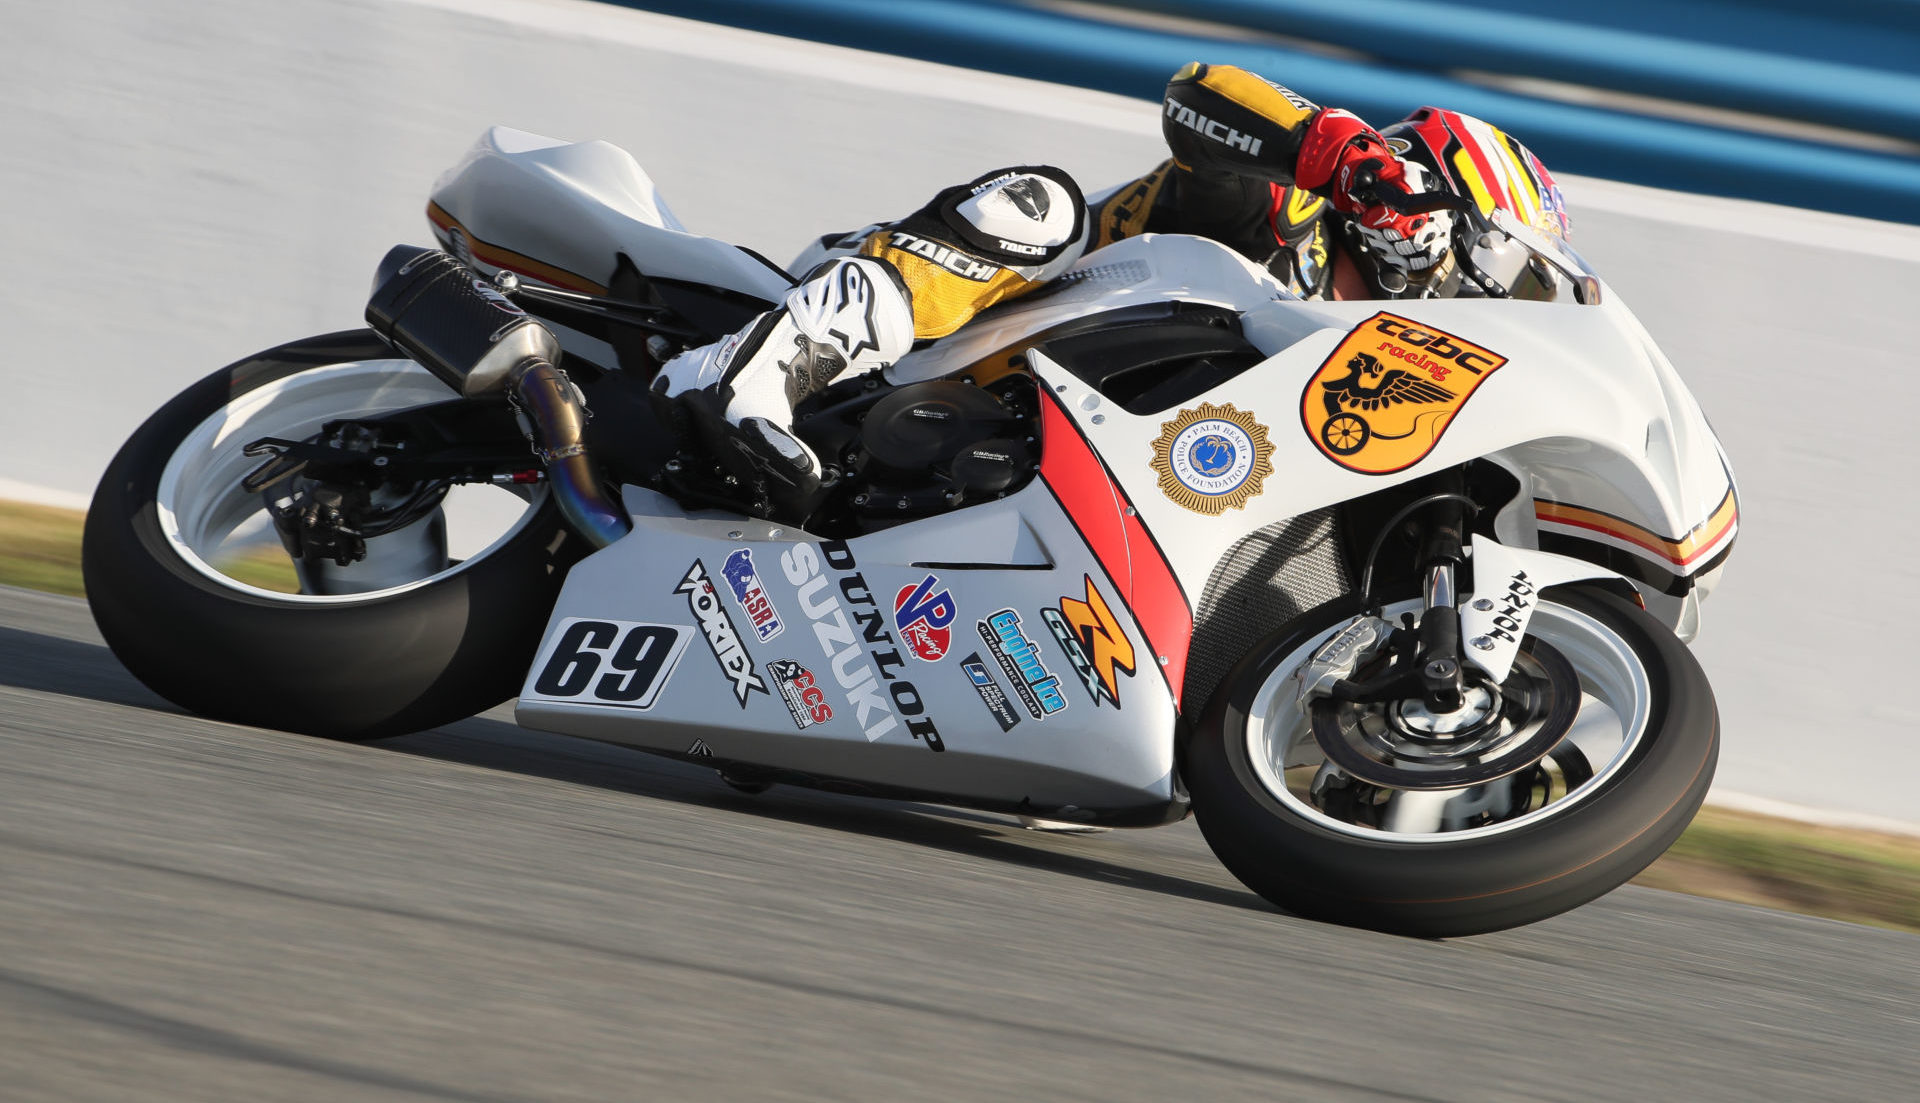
(196, 910)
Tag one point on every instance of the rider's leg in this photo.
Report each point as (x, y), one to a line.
(916, 279)
(851, 314)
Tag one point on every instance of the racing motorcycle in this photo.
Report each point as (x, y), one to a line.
(1393, 595)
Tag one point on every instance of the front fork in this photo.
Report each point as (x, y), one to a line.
(1438, 658)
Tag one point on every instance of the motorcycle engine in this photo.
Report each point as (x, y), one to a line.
(933, 446)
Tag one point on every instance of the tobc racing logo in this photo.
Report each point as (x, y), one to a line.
(1095, 644)
(754, 600)
(722, 638)
(1019, 658)
(804, 698)
(859, 648)
(1369, 415)
(991, 695)
(922, 615)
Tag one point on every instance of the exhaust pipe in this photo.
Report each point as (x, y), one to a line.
(444, 316)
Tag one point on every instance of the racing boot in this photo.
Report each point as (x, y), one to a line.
(849, 316)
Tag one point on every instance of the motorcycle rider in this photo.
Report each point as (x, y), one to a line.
(1254, 166)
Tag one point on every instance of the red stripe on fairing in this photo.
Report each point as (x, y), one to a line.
(1134, 563)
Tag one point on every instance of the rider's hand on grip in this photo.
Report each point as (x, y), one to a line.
(1406, 226)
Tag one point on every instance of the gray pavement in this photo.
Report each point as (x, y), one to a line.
(194, 910)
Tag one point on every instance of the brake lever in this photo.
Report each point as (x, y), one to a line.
(1366, 188)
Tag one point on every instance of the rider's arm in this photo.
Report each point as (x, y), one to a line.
(1238, 140)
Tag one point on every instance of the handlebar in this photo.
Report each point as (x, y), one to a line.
(1367, 188)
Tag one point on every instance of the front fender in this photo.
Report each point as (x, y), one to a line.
(1506, 587)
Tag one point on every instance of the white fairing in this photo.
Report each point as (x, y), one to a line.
(1587, 413)
(577, 207)
(715, 636)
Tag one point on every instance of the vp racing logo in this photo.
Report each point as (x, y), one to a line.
(922, 614)
(722, 638)
(1019, 657)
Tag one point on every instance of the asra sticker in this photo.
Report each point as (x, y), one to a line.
(1096, 646)
(1212, 458)
(1381, 400)
(922, 613)
(859, 649)
(722, 638)
(1019, 657)
(805, 699)
(614, 663)
(754, 600)
(991, 695)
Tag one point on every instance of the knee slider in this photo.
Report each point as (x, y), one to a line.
(1031, 219)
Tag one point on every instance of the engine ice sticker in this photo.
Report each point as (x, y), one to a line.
(736, 662)
(801, 692)
(1380, 402)
(1212, 458)
(1037, 687)
(990, 692)
(1096, 646)
(621, 664)
(922, 613)
(754, 600)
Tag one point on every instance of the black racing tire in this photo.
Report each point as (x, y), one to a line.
(352, 669)
(1479, 884)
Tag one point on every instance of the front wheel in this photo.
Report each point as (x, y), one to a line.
(1587, 812)
(406, 639)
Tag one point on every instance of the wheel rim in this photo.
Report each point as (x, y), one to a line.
(203, 511)
(1612, 720)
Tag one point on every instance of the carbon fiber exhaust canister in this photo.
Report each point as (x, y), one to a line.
(445, 316)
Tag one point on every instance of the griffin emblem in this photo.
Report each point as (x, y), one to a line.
(1375, 419)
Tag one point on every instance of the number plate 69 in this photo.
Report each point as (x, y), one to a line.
(616, 663)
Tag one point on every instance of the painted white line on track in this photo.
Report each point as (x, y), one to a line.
(14, 491)
(814, 60)
(1800, 813)
(885, 72)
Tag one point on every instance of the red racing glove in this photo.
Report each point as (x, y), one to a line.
(1347, 161)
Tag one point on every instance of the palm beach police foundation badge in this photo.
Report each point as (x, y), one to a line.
(1212, 458)
(1380, 401)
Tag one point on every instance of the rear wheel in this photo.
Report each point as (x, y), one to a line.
(406, 639)
(1615, 732)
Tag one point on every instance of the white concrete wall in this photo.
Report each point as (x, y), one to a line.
(186, 181)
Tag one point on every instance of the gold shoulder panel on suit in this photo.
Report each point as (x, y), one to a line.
(1264, 98)
(948, 287)
(1124, 213)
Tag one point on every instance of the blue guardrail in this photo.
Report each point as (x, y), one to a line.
(1798, 74)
